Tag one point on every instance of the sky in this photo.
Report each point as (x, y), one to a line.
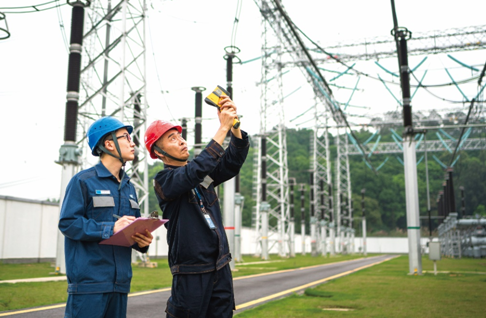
(185, 48)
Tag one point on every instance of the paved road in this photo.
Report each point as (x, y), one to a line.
(250, 291)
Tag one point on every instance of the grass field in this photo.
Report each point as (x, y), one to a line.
(384, 290)
(24, 295)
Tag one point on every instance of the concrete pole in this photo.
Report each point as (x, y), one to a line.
(409, 152)
(229, 215)
(239, 201)
(313, 219)
(363, 211)
(264, 213)
(302, 217)
(264, 206)
(323, 238)
(69, 153)
(292, 219)
(332, 239)
(412, 203)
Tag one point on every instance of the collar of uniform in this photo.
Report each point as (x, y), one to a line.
(167, 166)
(105, 173)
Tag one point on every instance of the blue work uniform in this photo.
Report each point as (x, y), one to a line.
(94, 271)
(199, 254)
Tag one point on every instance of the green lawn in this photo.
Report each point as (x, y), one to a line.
(24, 295)
(386, 290)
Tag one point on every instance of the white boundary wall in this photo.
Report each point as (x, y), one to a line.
(28, 229)
(28, 233)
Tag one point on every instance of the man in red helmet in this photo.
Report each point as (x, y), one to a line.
(199, 255)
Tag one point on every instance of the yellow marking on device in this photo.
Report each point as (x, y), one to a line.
(214, 98)
(288, 291)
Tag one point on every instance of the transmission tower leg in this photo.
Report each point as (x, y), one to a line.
(411, 195)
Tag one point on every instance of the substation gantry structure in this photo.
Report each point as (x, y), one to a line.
(113, 78)
(283, 48)
(106, 77)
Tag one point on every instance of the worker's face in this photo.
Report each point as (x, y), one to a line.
(127, 147)
(173, 143)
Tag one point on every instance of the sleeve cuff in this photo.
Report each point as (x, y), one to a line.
(107, 230)
(240, 143)
(215, 149)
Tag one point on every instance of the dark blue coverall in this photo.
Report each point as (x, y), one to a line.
(199, 256)
(98, 276)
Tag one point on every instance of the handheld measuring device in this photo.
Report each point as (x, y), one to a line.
(213, 100)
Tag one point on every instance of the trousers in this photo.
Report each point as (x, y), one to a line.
(106, 305)
(202, 295)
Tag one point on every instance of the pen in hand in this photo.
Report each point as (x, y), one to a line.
(117, 216)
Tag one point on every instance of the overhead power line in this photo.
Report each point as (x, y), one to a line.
(33, 8)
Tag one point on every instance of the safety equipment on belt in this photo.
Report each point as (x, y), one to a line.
(154, 132)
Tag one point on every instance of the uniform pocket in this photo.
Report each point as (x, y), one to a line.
(103, 208)
(134, 204)
(176, 312)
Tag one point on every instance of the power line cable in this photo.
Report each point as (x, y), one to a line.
(293, 29)
(377, 79)
(34, 8)
(239, 5)
(61, 25)
(157, 70)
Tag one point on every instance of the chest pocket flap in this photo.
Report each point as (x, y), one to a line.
(134, 204)
(103, 201)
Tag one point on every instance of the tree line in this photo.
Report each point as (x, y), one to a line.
(385, 190)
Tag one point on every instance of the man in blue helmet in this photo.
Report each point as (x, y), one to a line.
(100, 201)
(199, 255)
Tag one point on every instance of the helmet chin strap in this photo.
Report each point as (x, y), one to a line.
(103, 149)
(167, 155)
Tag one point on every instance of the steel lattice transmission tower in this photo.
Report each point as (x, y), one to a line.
(295, 53)
(272, 157)
(113, 78)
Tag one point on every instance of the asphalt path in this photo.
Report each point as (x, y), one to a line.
(250, 291)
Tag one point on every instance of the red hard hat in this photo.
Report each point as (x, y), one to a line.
(155, 131)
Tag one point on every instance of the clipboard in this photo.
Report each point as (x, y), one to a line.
(124, 236)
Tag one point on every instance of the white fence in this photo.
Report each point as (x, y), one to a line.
(28, 233)
(28, 229)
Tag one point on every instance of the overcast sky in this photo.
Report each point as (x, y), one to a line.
(186, 42)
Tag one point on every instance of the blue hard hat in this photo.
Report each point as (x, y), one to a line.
(100, 128)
